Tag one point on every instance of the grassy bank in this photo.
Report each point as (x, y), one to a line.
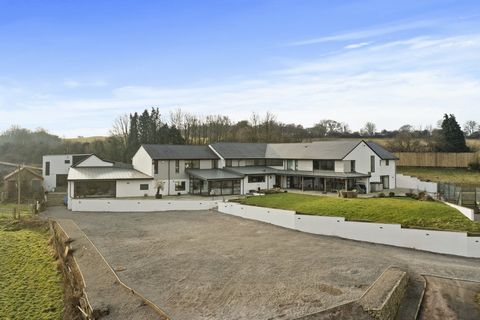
(30, 285)
(458, 176)
(405, 211)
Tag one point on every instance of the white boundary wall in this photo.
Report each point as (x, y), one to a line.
(139, 205)
(455, 243)
(467, 212)
(408, 182)
(282, 218)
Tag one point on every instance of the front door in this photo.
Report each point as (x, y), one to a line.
(386, 182)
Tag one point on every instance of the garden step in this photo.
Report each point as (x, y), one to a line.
(56, 198)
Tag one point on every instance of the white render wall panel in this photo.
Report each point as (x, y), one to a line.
(446, 242)
(139, 205)
(142, 162)
(408, 182)
(57, 166)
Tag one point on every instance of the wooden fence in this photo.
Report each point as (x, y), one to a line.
(436, 159)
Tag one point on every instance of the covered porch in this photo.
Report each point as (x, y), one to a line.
(214, 182)
(324, 182)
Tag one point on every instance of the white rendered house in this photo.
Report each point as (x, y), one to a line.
(55, 170)
(237, 168)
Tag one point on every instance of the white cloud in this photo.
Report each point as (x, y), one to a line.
(357, 45)
(77, 84)
(367, 33)
(410, 81)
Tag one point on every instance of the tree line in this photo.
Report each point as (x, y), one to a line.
(129, 131)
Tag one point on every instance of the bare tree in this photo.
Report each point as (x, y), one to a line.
(369, 129)
(120, 129)
(470, 127)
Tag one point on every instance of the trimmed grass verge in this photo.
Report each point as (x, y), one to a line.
(447, 175)
(405, 211)
(30, 284)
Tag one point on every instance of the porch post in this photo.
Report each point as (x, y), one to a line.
(302, 183)
(324, 184)
(346, 184)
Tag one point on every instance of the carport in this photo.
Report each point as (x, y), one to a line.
(214, 182)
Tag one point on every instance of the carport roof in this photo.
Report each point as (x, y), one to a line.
(322, 174)
(214, 174)
(106, 173)
(252, 170)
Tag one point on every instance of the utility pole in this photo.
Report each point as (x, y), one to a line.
(19, 189)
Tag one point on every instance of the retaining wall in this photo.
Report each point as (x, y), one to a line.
(408, 182)
(139, 205)
(455, 243)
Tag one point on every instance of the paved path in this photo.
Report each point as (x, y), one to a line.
(207, 265)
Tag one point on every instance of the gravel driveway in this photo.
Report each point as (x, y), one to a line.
(207, 265)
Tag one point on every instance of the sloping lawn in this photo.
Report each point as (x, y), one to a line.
(30, 285)
(405, 211)
(449, 175)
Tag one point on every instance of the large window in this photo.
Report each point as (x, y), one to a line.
(352, 166)
(179, 185)
(372, 163)
(95, 189)
(155, 166)
(275, 162)
(228, 162)
(47, 168)
(144, 186)
(177, 166)
(255, 179)
(328, 165)
(291, 164)
(192, 164)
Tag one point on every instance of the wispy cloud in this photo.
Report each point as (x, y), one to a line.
(72, 84)
(357, 45)
(367, 33)
(412, 81)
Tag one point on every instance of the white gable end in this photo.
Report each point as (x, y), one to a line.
(94, 161)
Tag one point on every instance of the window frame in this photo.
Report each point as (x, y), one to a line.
(144, 187)
(256, 179)
(372, 163)
(47, 168)
(182, 184)
(177, 166)
(193, 164)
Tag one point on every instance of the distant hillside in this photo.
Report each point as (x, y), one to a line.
(86, 139)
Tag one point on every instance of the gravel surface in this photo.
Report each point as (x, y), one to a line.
(447, 299)
(207, 265)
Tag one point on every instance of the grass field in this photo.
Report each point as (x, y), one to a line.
(450, 175)
(30, 285)
(405, 211)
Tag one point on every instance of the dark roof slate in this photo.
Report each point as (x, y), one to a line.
(179, 152)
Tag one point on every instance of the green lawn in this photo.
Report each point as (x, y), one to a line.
(30, 285)
(458, 176)
(405, 211)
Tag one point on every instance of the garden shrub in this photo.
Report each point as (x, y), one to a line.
(391, 194)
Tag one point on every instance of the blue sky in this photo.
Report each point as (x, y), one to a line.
(72, 67)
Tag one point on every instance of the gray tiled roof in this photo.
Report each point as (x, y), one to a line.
(381, 151)
(214, 174)
(318, 150)
(321, 150)
(179, 152)
(238, 150)
(106, 173)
